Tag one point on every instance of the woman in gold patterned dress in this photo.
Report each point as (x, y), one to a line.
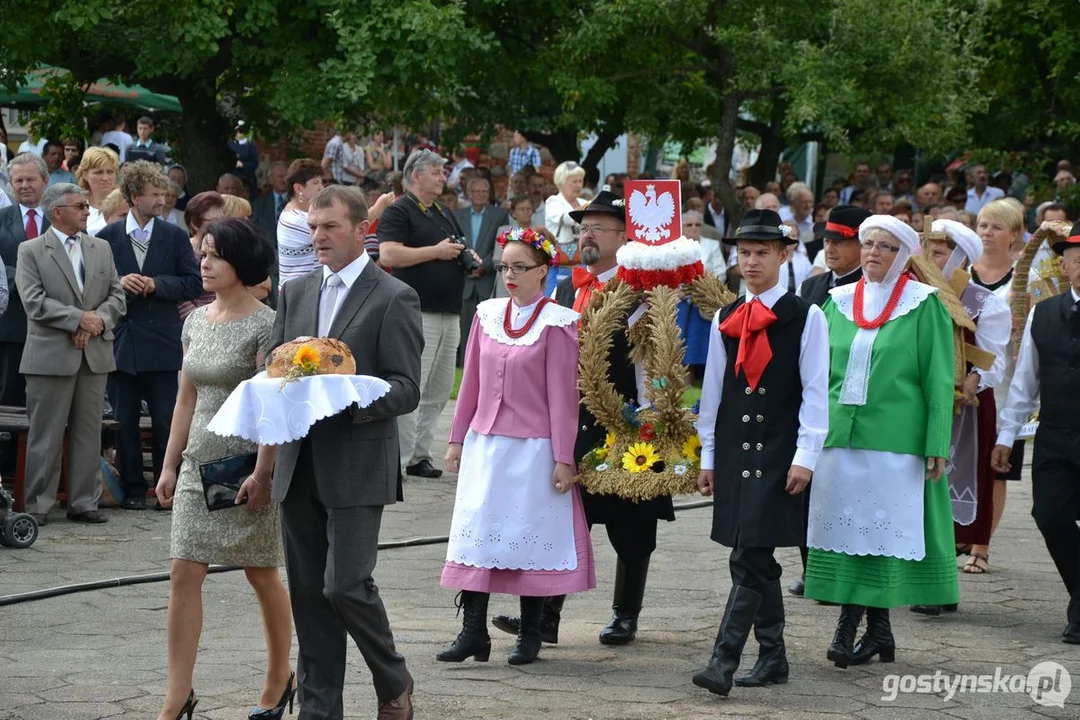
(224, 344)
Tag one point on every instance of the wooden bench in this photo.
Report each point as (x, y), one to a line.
(13, 420)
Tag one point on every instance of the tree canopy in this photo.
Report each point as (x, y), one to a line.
(856, 74)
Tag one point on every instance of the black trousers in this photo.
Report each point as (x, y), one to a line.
(1055, 474)
(12, 383)
(754, 568)
(12, 392)
(633, 540)
(126, 393)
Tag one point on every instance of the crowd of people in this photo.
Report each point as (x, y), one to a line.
(124, 296)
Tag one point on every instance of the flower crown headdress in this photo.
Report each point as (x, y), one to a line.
(541, 239)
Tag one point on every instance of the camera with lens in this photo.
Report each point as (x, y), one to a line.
(466, 260)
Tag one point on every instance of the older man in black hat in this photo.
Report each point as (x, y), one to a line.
(631, 526)
(1049, 366)
(842, 253)
(763, 421)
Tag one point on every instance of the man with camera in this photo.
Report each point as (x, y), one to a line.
(422, 244)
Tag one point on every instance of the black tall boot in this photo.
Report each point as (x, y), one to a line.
(742, 608)
(528, 639)
(840, 651)
(626, 606)
(878, 639)
(549, 620)
(473, 639)
(772, 665)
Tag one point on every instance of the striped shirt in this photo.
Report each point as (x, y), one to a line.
(296, 254)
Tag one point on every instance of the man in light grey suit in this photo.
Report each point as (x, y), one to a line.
(481, 222)
(69, 288)
(333, 484)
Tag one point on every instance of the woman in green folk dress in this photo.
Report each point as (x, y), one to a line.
(880, 532)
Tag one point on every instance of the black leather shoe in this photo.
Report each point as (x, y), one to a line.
(527, 647)
(934, 610)
(549, 621)
(135, 502)
(878, 639)
(90, 516)
(629, 594)
(42, 520)
(771, 667)
(473, 640)
(798, 587)
(841, 650)
(742, 608)
(423, 469)
(1071, 635)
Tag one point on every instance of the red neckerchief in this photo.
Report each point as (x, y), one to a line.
(748, 324)
(585, 284)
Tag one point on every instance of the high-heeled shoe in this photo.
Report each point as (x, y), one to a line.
(189, 706)
(276, 712)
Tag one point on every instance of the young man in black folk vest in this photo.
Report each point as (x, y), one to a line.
(764, 417)
(1049, 366)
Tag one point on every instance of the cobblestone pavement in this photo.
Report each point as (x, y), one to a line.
(102, 654)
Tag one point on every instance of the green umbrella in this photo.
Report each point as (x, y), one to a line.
(100, 91)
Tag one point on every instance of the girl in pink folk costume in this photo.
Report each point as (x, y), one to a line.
(518, 526)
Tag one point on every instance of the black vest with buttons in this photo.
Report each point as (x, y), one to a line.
(756, 431)
(1055, 330)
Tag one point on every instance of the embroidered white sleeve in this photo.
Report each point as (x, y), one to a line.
(491, 314)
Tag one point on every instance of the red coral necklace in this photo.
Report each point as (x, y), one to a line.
(508, 326)
(894, 300)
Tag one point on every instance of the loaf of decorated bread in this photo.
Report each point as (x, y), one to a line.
(311, 356)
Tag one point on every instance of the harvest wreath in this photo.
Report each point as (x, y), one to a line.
(652, 450)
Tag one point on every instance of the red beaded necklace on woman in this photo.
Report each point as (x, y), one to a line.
(894, 300)
(508, 326)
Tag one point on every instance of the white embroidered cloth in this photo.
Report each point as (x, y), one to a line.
(856, 383)
(868, 502)
(261, 411)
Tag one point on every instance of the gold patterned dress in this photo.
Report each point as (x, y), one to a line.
(219, 357)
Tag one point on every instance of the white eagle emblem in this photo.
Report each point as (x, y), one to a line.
(652, 214)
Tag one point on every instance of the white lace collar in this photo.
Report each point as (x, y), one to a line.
(913, 295)
(491, 314)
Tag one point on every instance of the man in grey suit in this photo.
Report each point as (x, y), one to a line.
(72, 296)
(18, 223)
(333, 484)
(481, 222)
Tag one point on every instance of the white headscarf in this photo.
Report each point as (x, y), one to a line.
(876, 294)
(968, 245)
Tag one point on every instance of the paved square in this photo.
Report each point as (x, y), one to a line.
(102, 654)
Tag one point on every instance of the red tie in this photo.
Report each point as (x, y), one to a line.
(584, 283)
(748, 324)
(31, 224)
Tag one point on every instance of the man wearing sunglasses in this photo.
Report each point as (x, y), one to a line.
(72, 295)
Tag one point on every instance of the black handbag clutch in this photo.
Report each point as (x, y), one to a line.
(222, 479)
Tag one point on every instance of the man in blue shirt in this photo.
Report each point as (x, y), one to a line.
(53, 155)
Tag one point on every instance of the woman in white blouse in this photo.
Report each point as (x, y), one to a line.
(97, 176)
(569, 178)
(296, 254)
